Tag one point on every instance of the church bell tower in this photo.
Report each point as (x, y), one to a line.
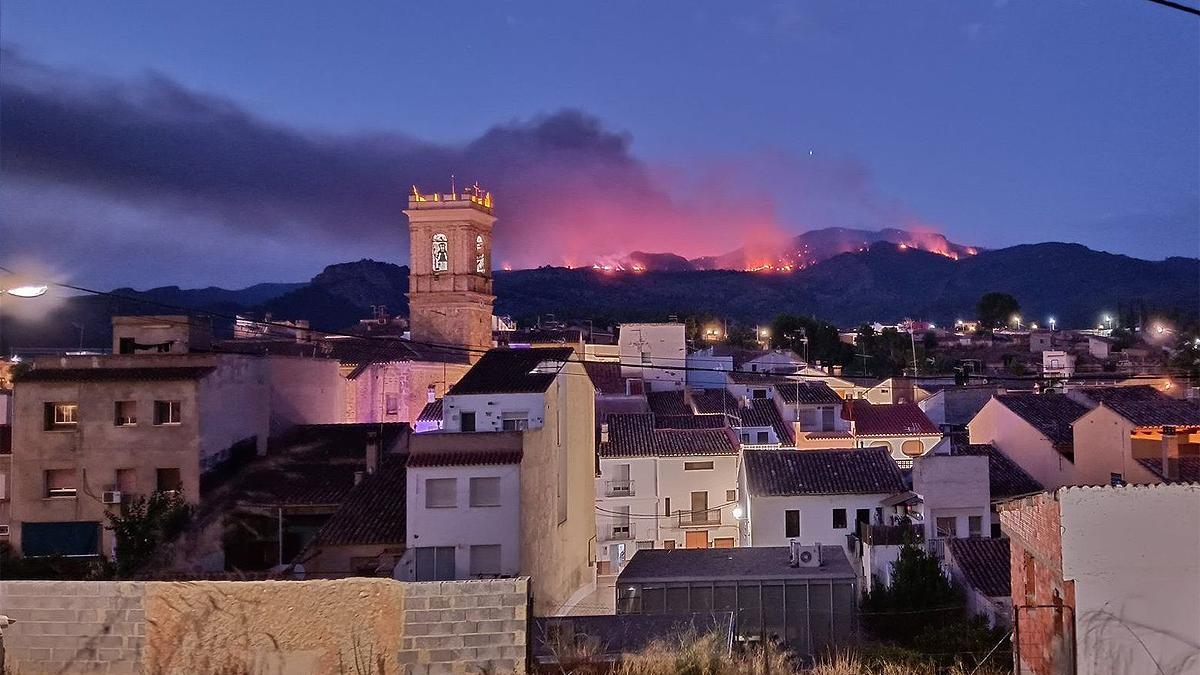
(450, 268)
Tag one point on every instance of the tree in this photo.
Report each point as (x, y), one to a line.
(144, 524)
(919, 597)
(824, 344)
(996, 309)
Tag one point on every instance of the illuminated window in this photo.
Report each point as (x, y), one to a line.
(480, 256)
(441, 253)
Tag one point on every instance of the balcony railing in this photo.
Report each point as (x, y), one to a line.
(906, 463)
(619, 488)
(701, 518)
(618, 532)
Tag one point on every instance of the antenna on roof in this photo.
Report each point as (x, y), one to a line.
(453, 190)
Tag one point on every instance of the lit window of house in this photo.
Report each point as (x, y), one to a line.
(441, 493)
(61, 415)
(168, 412)
(60, 483)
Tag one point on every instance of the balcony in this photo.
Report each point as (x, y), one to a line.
(618, 488)
(701, 518)
(618, 532)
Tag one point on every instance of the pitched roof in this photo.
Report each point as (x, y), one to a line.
(691, 421)
(374, 511)
(634, 435)
(985, 564)
(783, 473)
(891, 419)
(1051, 414)
(759, 378)
(1145, 406)
(432, 412)
(963, 403)
(749, 562)
(1189, 468)
(446, 448)
(808, 393)
(150, 373)
(1006, 478)
(363, 352)
(668, 403)
(715, 402)
(605, 376)
(511, 371)
(763, 413)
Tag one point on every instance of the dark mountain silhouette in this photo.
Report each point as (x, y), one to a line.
(882, 283)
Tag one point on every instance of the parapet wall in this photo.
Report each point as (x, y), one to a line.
(361, 625)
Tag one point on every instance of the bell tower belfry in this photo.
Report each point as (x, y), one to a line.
(450, 268)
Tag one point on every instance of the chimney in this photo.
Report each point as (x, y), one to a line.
(1170, 453)
(372, 451)
(837, 370)
(793, 553)
(604, 432)
(430, 394)
(358, 477)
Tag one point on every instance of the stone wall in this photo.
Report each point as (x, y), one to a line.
(266, 627)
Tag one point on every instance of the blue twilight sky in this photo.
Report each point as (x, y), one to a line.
(995, 122)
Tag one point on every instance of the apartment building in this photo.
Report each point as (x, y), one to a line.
(655, 353)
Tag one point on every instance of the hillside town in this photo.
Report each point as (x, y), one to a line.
(1028, 500)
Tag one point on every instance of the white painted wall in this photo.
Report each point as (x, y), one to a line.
(953, 486)
(489, 410)
(643, 471)
(1023, 444)
(702, 367)
(1103, 446)
(895, 443)
(665, 345)
(934, 407)
(676, 483)
(766, 523)
(1134, 555)
(464, 525)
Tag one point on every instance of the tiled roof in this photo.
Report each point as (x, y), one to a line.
(510, 371)
(749, 562)
(1189, 468)
(1145, 406)
(668, 403)
(634, 435)
(465, 457)
(165, 373)
(750, 377)
(691, 421)
(891, 419)
(985, 564)
(762, 413)
(715, 402)
(1006, 478)
(605, 376)
(808, 393)
(781, 473)
(1051, 414)
(432, 412)
(364, 352)
(373, 512)
(963, 403)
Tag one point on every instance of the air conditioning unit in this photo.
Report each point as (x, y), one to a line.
(3, 530)
(805, 556)
(112, 497)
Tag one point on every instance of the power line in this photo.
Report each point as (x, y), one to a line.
(1178, 6)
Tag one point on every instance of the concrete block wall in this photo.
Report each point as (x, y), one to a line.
(266, 627)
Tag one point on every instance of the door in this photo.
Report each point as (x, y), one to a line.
(699, 514)
(698, 539)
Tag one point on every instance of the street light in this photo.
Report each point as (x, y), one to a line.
(23, 291)
(1108, 320)
(1016, 318)
(1051, 323)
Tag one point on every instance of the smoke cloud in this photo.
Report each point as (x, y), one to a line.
(194, 188)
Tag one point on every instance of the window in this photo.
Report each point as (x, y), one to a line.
(912, 448)
(168, 480)
(468, 421)
(3, 486)
(167, 412)
(126, 482)
(839, 519)
(759, 393)
(514, 421)
(61, 415)
(391, 404)
(946, 527)
(763, 437)
(441, 493)
(441, 253)
(127, 345)
(485, 561)
(646, 358)
(997, 531)
(827, 418)
(125, 414)
(1116, 479)
(862, 516)
(60, 483)
(668, 544)
(480, 256)
(485, 492)
(974, 526)
(731, 495)
(667, 502)
(791, 523)
(435, 563)
(697, 466)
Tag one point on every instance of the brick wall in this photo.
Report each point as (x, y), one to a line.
(1043, 602)
(266, 627)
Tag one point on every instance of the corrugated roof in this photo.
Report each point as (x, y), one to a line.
(374, 511)
(634, 435)
(1005, 477)
(1051, 414)
(891, 419)
(808, 393)
(151, 373)
(985, 564)
(783, 473)
(510, 371)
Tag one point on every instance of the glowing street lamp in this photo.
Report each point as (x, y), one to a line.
(1016, 318)
(1052, 323)
(23, 291)
(1108, 320)
(737, 512)
(1033, 326)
